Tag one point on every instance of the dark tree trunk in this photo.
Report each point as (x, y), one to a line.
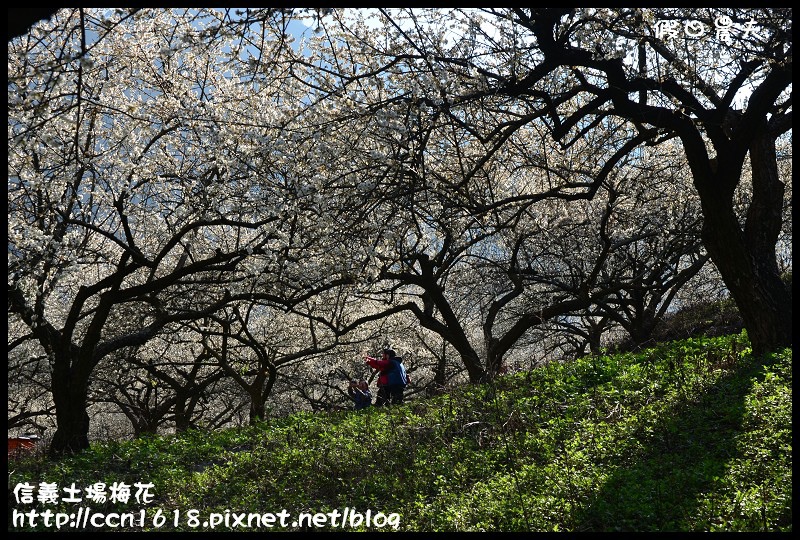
(494, 358)
(640, 330)
(440, 371)
(757, 289)
(260, 391)
(595, 334)
(450, 329)
(182, 413)
(745, 257)
(257, 408)
(70, 395)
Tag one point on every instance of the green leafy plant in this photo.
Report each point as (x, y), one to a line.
(689, 435)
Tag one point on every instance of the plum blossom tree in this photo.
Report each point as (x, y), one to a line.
(253, 343)
(691, 92)
(457, 218)
(491, 75)
(193, 169)
(662, 249)
(147, 187)
(29, 406)
(168, 380)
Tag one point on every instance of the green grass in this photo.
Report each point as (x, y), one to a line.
(693, 435)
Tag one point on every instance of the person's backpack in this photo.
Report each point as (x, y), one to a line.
(397, 375)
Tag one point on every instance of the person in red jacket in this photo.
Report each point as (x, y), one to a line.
(383, 365)
(390, 381)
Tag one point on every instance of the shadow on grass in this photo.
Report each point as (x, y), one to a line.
(662, 488)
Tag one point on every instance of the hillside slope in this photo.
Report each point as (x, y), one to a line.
(689, 435)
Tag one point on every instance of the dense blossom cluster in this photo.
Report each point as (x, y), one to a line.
(214, 198)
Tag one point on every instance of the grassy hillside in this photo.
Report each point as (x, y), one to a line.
(691, 435)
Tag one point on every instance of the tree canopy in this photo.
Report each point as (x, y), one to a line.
(255, 192)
